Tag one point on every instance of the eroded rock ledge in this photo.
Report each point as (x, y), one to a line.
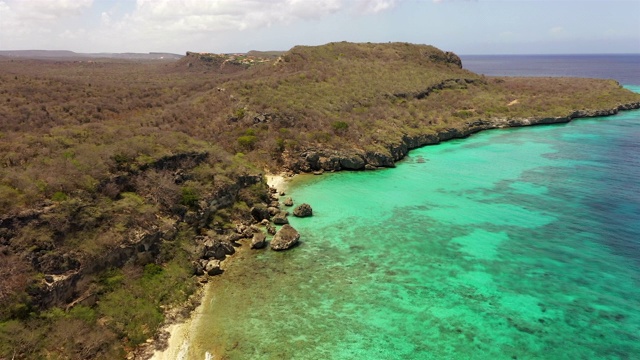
(336, 160)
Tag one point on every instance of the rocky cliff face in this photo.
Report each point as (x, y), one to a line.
(65, 272)
(336, 160)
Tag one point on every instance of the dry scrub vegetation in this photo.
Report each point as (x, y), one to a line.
(94, 152)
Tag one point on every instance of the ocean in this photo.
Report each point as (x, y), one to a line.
(511, 244)
(624, 68)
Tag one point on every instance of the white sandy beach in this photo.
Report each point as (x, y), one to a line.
(178, 343)
(180, 333)
(277, 181)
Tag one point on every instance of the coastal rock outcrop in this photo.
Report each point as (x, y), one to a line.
(260, 212)
(213, 268)
(312, 160)
(217, 249)
(303, 210)
(379, 159)
(271, 230)
(258, 241)
(286, 238)
(352, 162)
(280, 218)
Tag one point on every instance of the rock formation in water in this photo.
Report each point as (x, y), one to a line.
(303, 210)
(286, 238)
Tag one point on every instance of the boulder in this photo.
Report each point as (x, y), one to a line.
(248, 233)
(213, 268)
(273, 211)
(286, 238)
(329, 163)
(232, 238)
(260, 212)
(288, 202)
(217, 249)
(258, 241)
(352, 162)
(271, 229)
(379, 159)
(280, 218)
(198, 269)
(303, 210)
(52, 262)
(240, 228)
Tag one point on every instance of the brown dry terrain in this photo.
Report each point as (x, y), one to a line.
(117, 176)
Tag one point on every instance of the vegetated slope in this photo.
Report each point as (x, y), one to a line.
(113, 171)
(100, 204)
(362, 101)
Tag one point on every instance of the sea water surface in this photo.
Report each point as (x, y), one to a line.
(511, 244)
(620, 67)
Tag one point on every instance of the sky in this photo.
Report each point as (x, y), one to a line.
(227, 26)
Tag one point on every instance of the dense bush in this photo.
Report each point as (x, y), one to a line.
(93, 153)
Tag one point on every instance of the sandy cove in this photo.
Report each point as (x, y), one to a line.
(177, 345)
(278, 181)
(180, 338)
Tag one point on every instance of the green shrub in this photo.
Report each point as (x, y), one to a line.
(111, 279)
(280, 144)
(339, 125)
(464, 114)
(189, 196)
(247, 141)
(59, 196)
(121, 160)
(151, 270)
(240, 113)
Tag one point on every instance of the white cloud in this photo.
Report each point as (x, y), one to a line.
(20, 19)
(106, 18)
(557, 30)
(375, 6)
(443, 1)
(196, 15)
(508, 34)
(124, 25)
(155, 21)
(48, 9)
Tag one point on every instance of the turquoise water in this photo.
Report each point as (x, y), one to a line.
(511, 244)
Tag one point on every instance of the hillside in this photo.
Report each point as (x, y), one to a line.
(351, 100)
(119, 177)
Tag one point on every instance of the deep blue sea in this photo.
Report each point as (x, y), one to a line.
(511, 244)
(623, 68)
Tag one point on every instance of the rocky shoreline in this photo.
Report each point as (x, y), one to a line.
(316, 161)
(172, 341)
(319, 160)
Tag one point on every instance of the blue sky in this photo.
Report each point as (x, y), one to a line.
(462, 26)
